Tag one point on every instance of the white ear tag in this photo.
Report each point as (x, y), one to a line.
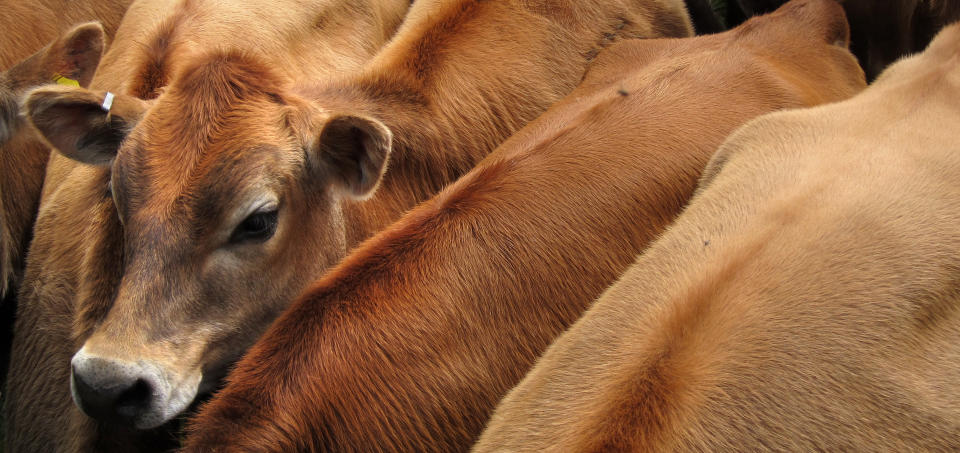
(107, 102)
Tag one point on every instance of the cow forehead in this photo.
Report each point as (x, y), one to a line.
(213, 108)
(200, 194)
(213, 176)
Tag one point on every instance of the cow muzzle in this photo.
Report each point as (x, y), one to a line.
(140, 394)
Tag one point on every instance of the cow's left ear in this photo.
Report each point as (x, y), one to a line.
(84, 125)
(352, 151)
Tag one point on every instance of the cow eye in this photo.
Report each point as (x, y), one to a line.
(257, 227)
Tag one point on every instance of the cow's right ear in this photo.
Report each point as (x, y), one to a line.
(84, 125)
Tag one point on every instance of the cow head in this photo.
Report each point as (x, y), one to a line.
(228, 189)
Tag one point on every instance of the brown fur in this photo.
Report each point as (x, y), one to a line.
(76, 255)
(883, 31)
(23, 157)
(806, 300)
(173, 199)
(412, 339)
(28, 26)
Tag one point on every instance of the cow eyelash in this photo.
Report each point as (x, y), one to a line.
(257, 227)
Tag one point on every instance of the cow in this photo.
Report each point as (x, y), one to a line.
(22, 160)
(224, 222)
(29, 26)
(72, 56)
(882, 31)
(29, 30)
(408, 344)
(320, 38)
(806, 299)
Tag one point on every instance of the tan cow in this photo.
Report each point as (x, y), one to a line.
(70, 58)
(25, 29)
(882, 31)
(409, 343)
(30, 25)
(77, 238)
(806, 300)
(236, 188)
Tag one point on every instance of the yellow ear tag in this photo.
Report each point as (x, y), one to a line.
(61, 80)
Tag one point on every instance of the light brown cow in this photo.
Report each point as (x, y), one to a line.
(23, 157)
(883, 31)
(806, 300)
(75, 254)
(224, 224)
(409, 343)
(28, 26)
(74, 56)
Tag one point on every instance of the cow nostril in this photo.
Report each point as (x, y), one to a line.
(134, 400)
(111, 394)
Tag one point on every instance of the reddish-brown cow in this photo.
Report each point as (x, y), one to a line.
(806, 300)
(28, 26)
(224, 224)
(23, 157)
(409, 343)
(75, 256)
(883, 30)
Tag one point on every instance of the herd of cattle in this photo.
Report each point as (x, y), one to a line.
(497, 225)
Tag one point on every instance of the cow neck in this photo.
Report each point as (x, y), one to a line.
(433, 144)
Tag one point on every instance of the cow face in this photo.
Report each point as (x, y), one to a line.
(227, 189)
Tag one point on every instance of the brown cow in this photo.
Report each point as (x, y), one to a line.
(806, 300)
(882, 31)
(23, 158)
(409, 343)
(77, 224)
(73, 56)
(224, 224)
(28, 26)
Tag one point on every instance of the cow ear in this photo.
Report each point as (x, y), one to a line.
(71, 59)
(76, 54)
(84, 125)
(352, 151)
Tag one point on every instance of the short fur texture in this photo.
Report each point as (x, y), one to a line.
(806, 300)
(23, 157)
(408, 344)
(76, 254)
(29, 30)
(426, 87)
(28, 26)
(882, 31)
